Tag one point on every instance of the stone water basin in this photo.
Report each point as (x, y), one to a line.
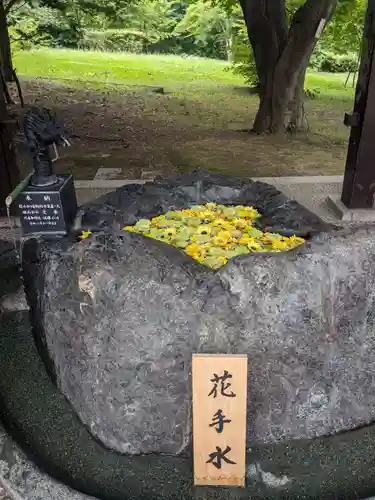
(116, 318)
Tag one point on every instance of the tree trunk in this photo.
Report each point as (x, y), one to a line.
(5, 49)
(297, 120)
(229, 47)
(281, 56)
(228, 36)
(267, 29)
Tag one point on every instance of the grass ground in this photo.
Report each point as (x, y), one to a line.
(111, 103)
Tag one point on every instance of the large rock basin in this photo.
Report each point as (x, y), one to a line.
(117, 317)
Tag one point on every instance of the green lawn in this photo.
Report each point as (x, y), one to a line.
(205, 103)
(164, 70)
(131, 69)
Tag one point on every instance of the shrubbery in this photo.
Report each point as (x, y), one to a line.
(244, 63)
(164, 26)
(243, 58)
(114, 40)
(26, 30)
(322, 60)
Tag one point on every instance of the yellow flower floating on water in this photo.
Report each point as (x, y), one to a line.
(222, 239)
(212, 234)
(169, 233)
(204, 230)
(85, 234)
(296, 241)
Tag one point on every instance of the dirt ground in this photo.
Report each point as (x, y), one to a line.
(140, 131)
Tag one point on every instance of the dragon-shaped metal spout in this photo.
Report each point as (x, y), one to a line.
(42, 131)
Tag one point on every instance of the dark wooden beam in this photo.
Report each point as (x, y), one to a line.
(9, 173)
(359, 179)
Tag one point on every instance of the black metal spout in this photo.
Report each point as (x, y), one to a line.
(42, 131)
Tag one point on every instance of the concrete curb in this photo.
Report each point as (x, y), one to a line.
(116, 183)
(106, 184)
(313, 179)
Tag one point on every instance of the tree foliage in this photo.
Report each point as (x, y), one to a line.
(282, 36)
(185, 26)
(270, 42)
(153, 19)
(211, 27)
(344, 34)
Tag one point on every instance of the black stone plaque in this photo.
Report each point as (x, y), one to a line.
(48, 210)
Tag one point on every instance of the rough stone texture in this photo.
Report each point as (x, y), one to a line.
(118, 316)
(129, 203)
(306, 319)
(12, 296)
(44, 423)
(20, 479)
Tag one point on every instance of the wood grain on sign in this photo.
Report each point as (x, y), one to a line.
(219, 419)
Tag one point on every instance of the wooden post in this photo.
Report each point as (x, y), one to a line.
(9, 173)
(5, 49)
(359, 179)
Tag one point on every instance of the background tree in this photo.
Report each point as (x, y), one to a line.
(5, 48)
(70, 18)
(344, 33)
(283, 36)
(154, 19)
(211, 27)
(281, 55)
(275, 41)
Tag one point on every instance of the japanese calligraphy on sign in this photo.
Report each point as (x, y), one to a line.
(219, 419)
(40, 212)
(48, 210)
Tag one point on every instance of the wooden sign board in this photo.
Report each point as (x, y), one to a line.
(219, 419)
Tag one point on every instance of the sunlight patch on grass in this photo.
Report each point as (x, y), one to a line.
(330, 85)
(131, 69)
